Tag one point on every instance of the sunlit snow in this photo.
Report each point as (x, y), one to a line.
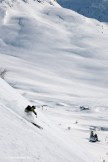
(59, 59)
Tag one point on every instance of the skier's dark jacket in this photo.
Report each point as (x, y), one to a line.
(30, 108)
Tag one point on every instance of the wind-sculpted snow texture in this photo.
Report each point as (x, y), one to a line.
(57, 60)
(97, 9)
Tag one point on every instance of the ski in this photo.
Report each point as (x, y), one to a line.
(38, 126)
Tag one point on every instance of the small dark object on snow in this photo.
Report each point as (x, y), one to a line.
(96, 137)
(39, 1)
(84, 108)
(76, 122)
(93, 137)
(38, 126)
(30, 109)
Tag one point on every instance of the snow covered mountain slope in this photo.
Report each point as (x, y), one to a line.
(21, 141)
(97, 9)
(76, 56)
(58, 58)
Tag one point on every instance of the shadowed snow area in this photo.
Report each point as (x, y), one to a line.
(57, 58)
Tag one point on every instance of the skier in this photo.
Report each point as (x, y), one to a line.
(30, 109)
(29, 115)
(91, 134)
(96, 137)
(92, 137)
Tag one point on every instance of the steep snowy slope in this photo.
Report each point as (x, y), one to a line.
(58, 58)
(97, 9)
(20, 141)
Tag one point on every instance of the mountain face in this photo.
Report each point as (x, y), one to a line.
(97, 9)
(58, 60)
(69, 46)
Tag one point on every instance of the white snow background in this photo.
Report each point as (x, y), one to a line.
(58, 58)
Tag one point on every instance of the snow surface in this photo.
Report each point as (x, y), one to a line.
(58, 58)
(21, 141)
